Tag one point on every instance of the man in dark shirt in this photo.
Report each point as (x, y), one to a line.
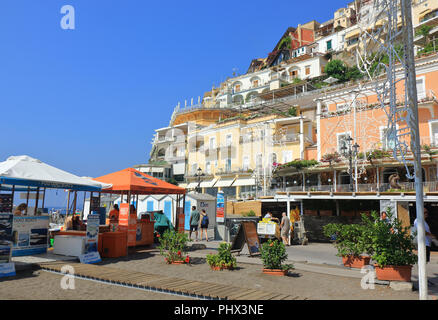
(194, 222)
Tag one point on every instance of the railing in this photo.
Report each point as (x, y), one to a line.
(429, 186)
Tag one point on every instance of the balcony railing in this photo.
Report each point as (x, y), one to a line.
(429, 186)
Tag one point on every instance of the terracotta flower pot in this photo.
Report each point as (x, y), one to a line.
(394, 273)
(178, 262)
(216, 268)
(355, 262)
(275, 272)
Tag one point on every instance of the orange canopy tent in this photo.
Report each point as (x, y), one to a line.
(135, 182)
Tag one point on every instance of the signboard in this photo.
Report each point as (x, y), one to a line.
(94, 203)
(92, 233)
(89, 258)
(220, 207)
(30, 235)
(7, 268)
(252, 238)
(128, 223)
(247, 233)
(6, 203)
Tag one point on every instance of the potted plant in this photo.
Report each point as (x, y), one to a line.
(393, 247)
(223, 259)
(173, 247)
(351, 241)
(273, 255)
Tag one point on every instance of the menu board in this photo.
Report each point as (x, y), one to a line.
(94, 204)
(6, 203)
(252, 238)
(247, 233)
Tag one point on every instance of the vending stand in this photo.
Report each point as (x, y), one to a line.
(27, 233)
(129, 184)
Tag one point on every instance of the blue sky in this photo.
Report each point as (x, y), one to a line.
(88, 100)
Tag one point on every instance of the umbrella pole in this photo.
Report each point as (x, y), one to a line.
(27, 199)
(36, 201)
(68, 201)
(83, 207)
(74, 202)
(13, 193)
(44, 198)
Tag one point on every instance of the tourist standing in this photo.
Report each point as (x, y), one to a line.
(285, 229)
(203, 222)
(194, 222)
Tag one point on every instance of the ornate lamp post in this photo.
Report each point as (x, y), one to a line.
(199, 174)
(351, 152)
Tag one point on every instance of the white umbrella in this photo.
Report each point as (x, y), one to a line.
(27, 171)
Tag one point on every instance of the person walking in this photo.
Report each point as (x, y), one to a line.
(194, 222)
(285, 229)
(203, 223)
(428, 238)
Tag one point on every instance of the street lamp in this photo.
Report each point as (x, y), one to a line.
(351, 152)
(199, 174)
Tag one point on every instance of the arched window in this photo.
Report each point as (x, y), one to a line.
(161, 152)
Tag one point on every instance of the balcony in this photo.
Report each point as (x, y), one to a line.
(406, 187)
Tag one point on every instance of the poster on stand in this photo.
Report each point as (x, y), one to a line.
(30, 235)
(7, 268)
(220, 208)
(91, 254)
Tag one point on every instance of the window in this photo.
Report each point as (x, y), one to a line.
(259, 161)
(194, 168)
(287, 156)
(245, 163)
(273, 158)
(421, 88)
(307, 70)
(208, 167)
(228, 165)
(329, 45)
(255, 83)
(237, 88)
(388, 138)
(212, 143)
(228, 140)
(342, 141)
(293, 74)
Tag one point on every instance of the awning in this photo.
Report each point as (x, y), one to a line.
(136, 182)
(27, 171)
(224, 183)
(208, 184)
(353, 34)
(244, 182)
(421, 15)
(192, 185)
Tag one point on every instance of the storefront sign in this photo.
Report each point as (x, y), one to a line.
(252, 238)
(30, 235)
(220, 207)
